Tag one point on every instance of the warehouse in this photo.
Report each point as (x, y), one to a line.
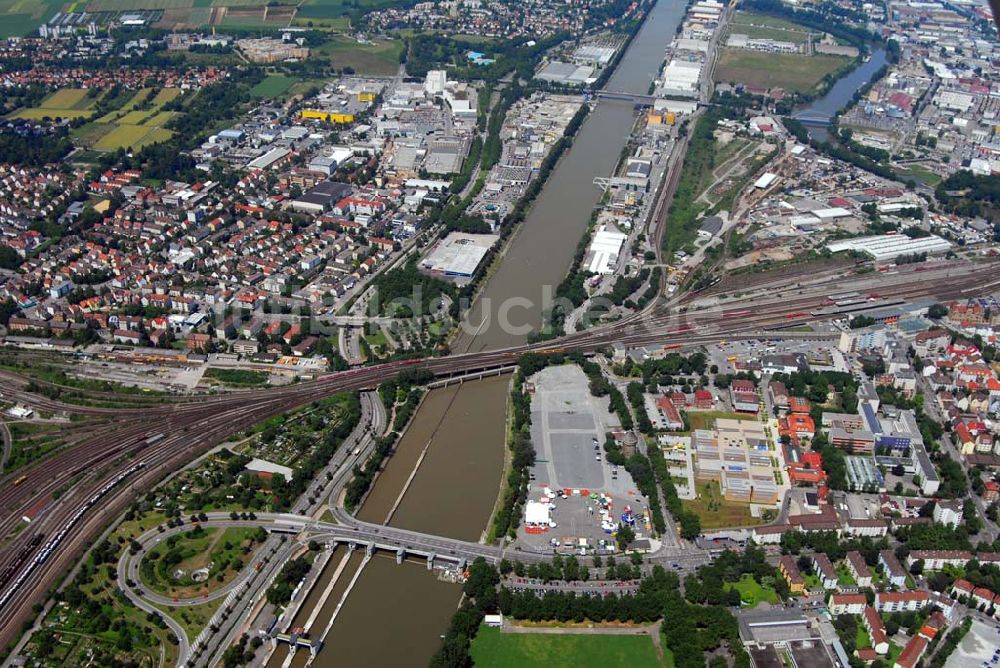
(322, 197)
(458, 254)
(604, 249)
(886, 247)
(269, 159)
(566, 73)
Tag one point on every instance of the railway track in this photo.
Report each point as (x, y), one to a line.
(191, 428)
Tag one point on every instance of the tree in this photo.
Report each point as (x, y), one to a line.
(937, 311)
(624, 536)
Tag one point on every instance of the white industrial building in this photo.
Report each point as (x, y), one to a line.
(890, 246)
(681, 77)
(604, 249)
(458, 254)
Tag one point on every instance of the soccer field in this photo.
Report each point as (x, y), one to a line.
(524, 650)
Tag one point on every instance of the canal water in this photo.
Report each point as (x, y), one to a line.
(540, 253)
(395, 614)
(839, 96)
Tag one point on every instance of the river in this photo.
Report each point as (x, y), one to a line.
(541, 251)
(820, 112)
(395, 614)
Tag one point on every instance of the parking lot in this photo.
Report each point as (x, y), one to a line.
(568, 430)
(980, 647)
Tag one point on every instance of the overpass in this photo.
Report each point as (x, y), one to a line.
(813, 118)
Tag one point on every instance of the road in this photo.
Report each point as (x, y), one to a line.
(184, 429)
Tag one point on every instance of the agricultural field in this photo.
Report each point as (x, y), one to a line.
(523, 650)
(129, 5)
(139, 122)
(793, 72)
(379, 58)
(20, 17)
(63, 103)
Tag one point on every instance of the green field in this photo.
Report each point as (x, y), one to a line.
(522, 650)
(752, 592)
(793, 72)
(168, 567)
(128, 5)
(63, 103)
(761, 26)
(715, 511)
(20, 17)
(378, 58)
(273, 86)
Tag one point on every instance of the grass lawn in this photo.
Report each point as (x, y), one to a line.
(861, 640)
(715, 512)
(844, 576)
(376, 58)
(520, 650)
(273, 86)
(769, 70)
(706, 419)
(761, 26)
(921, 173)
(752, 592)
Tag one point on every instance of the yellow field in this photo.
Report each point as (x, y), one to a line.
(37, 113)
(160, 119)
(131, 136)
(131, 128)
(135, 117)
(139, 96)
(63, 103)
(166, 95)
(66, 98)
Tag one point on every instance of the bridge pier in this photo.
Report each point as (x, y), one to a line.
(400, 555)
(461, 564)
(430, 561)
(352, 546)
(370, 549)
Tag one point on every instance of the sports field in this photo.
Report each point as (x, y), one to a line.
(63, 103)
(523, 650)
(793, 72)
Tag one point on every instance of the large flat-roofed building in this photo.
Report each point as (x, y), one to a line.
(887, 247)
(459, 254)
(566, 73)
(763, 627)
(605, 247)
